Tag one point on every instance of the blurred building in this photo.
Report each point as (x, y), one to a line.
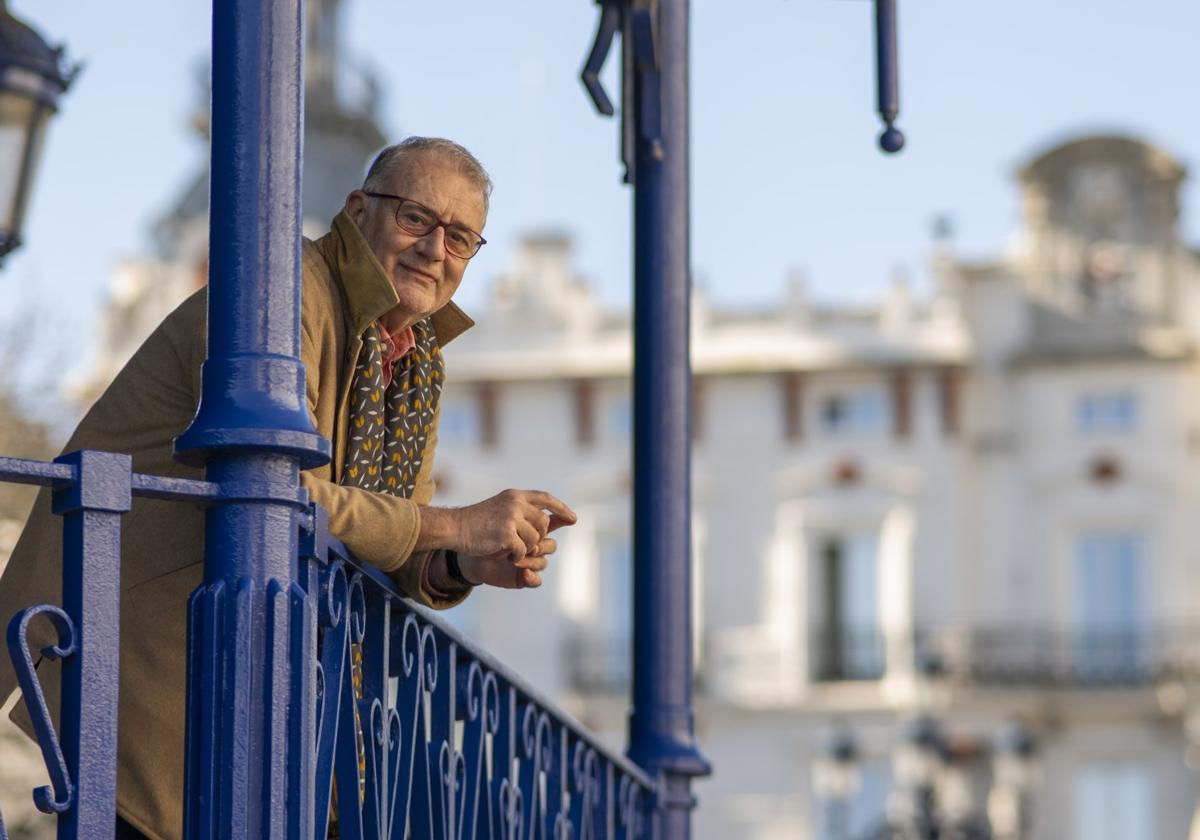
(977, 503)
(341, 134)
(974, 503)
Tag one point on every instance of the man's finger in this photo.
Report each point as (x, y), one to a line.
(546, 546)
(557, 522)
(516, 551)
(558, 508)
(539, 520)
(533, 561)
(530, 579)
(529, 535)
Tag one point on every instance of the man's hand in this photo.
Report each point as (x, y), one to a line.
(512, 525)
(500, 570)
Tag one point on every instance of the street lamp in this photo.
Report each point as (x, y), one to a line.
(33, 75)
(836, 778)
(933, 797)
(1015, 771)
(919, 764)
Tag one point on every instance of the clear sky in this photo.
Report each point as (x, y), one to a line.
(783, 131)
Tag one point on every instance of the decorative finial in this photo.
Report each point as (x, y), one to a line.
(892, 140)
(887, 75)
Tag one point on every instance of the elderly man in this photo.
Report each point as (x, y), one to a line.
(376, 311)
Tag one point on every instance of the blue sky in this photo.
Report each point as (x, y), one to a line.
(783, 131)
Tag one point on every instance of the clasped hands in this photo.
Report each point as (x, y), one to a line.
(502, 541)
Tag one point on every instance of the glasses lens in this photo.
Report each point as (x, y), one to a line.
(414, 218)
(461, 242)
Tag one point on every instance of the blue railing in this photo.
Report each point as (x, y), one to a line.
(433, 737)
(314, 690)
(437, 738)
(91, 491)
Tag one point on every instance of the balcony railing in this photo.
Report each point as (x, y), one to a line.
(847, 653)
(598, 663)
(1045, 656)
(417, 732)
(437, 737)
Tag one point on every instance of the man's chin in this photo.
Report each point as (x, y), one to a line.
(417, 303)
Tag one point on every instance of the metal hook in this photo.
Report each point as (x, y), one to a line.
(610, 23)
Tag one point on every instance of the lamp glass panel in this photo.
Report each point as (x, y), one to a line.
(18, 118)
(37, 138)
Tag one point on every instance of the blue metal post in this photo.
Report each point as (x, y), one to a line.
(661, 724)
(91, 508)
(253, 432)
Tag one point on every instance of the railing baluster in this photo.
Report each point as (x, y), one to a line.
(556, 785)
(504, 758)
(347, 772)
(91, 509)
(482, 696)
(443, 715)
(376, 729)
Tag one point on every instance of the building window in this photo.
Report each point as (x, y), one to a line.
(791, 394)
(902, 393)
(699, 400)
(855, 413)
(862, 811)
(585, 410)
(459, 424)
(1113, 802)
(849, 644)
(949, 393)
(488, 397)
(620, 419)
(1110, 598)
(599, 655)
(1114, 412)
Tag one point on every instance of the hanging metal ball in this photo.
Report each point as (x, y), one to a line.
(892, 140)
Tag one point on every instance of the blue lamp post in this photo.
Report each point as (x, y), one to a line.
(33, 75)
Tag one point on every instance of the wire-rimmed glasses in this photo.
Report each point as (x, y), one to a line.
(417, 219)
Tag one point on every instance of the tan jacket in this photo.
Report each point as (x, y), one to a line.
(151, 401)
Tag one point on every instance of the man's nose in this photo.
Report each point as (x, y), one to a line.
(432, 245)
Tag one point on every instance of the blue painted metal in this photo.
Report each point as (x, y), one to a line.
(91, 509)
(92, 491)
(406, 708)
(655, 87)
(251, 633)
(253, 396)
(314, 689)
(887, 75)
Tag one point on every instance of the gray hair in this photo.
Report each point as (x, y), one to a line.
(390, 158)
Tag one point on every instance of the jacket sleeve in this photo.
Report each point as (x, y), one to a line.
(378, 528)
(382, 530)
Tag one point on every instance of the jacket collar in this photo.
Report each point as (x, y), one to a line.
(369, 292)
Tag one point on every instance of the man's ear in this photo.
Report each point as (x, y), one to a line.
(356, 207)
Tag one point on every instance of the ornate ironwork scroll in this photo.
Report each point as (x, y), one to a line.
(59, 795)
(454, 747)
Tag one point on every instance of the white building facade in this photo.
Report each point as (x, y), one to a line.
(977, 504)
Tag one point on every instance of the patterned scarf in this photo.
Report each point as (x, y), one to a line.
(388, 433)
(389, 430)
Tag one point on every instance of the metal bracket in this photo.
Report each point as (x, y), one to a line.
(610, 22)
(641, 111)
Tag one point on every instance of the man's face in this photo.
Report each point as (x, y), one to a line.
(424, 274)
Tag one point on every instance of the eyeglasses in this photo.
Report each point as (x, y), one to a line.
(419, 220)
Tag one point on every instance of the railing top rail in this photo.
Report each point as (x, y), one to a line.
(175, 489)
(53, 473)
(487, 660)
(42, 473)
